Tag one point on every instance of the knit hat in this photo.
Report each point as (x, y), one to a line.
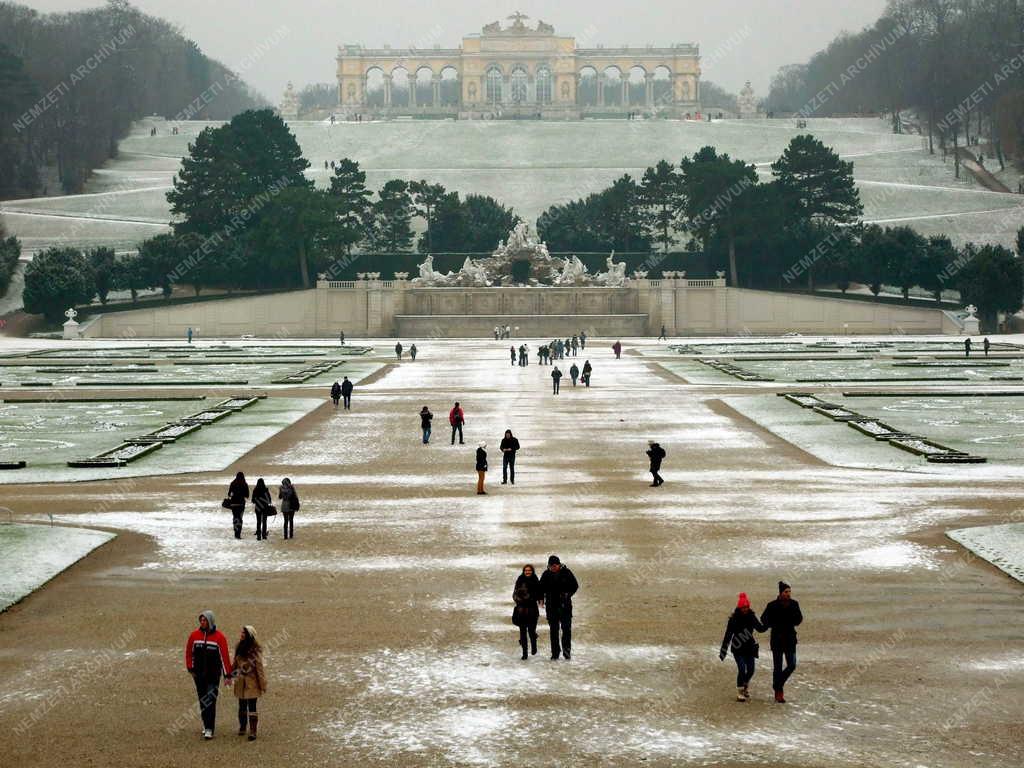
(251, 631)
(483, 445)
(783, 586)
(744, 601)
(553, 560)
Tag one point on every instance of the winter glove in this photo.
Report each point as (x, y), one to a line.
(721, 655)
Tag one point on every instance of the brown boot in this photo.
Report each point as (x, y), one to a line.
(253, 722)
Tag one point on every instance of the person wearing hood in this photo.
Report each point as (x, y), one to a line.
(413, 352)
(656, 454)
(526, 596)
(335, 393)
(587, 370)
(557, 586)
(574, 373)
(481, 469)
(238, 493)
(782, 616)
(206, 659)
(509, 446)
(739, 636)
(250, 680)
(398, 350)
(456, 418)
(261, 503)
(289, 506)
(617, 349)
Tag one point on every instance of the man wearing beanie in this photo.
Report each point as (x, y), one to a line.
(557, 586)
(782, 616)
(739, 635)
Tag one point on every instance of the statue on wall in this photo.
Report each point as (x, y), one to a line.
(472, 275)
(429, 277)
(616, 274)
(494, 26)
(545, 29)
(574, 272)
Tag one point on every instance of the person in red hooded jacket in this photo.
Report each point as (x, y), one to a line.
(206, 659)
(457, 417)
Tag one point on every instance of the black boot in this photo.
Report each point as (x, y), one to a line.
(533, 645)
(525, 656)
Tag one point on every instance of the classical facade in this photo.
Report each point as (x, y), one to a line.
(519, 70)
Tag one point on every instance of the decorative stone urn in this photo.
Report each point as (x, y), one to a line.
(401, 276)
(972, 326)
(71, 327)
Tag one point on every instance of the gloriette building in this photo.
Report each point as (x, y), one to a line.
(519, 70)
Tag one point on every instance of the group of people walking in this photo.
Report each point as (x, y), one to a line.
(574, 374)
(342, 391)
(263, 506)
(412, 351)
(208, 662)
(553, 592)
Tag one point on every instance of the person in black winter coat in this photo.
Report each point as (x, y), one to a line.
(238, 493)
(509, 446)
(556, 380)
(481, 468)
(782, 616)
(346, 393)
(261, 502)
(656, 454)
(527, 595)
(739, 636)
(426, 418)
(557, 586)
(335, 393)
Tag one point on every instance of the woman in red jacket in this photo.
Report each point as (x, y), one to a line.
(206, 659)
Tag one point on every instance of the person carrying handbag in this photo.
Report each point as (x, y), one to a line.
(289, 506)
(238, 493)
(263, 507)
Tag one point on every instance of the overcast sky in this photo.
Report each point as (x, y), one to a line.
(740, 39)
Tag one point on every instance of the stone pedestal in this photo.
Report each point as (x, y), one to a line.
(72, 330)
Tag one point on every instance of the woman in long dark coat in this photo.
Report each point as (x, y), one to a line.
(261, 502)
(289, 506)
(238, 493)
(739, 636)
(526, 595)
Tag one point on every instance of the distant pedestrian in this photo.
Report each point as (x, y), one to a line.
(556, 379)
(457, 417)
(335, 394)
(346, 393)
(341, 337)
(495, 333)
(967, 347)
(986, 345)
(398, 350)
(250, 680)
(426, 417)
(782, 616)
(739, 637)
(189, 334)
(509, 446)
(583, 340)
(617, 349)
(512, 351)
(412, 352)
(588, 369)
(575, 346)
(664, 334)
(238, 494)
(206, 659)
(574, 373)
(289, 506)
(526, 594)
(262, 505)
(557, 587)
(481, 468)
(656, 454)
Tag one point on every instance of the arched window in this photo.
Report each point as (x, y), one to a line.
(493, 86)
(544, 85)
(519, 84)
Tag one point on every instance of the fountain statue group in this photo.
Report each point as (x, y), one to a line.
(540, 267)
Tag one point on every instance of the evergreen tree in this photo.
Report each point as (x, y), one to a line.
(487, 223)
(102, 261)
(621, 219)
(908, 252)
(661, 195)
(55, 280)
(393, 212)
(294, 232)
(817, 185)
(426, 197)
(351, 200)
(712, 189)
(992, 279)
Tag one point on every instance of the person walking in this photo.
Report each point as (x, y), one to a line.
(587, 370)
(557, 586)
(412, 352)
(512, 352)
(238, 495)
(656, 454)
(583, 340)
(556, 379)
(739, 637)
(509, 446)
(262, 504)
(574, 373)
(250, 680)
(289, 506)
(457, 417)
(335, 394)
(341, 337)
(617, 349)
(206, 659)
(481, 468)
(575, 346)
(426, 417)
(664, 334)
(782, 616)
(346, 393)
(967, 347)
(398, 350)
(986, 345)
(189, 334)
(526, 595)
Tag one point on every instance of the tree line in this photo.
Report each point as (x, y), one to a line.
(72, 83)
(956, 63)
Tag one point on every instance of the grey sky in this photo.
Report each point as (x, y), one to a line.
(740, 39)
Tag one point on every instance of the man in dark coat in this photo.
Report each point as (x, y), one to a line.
(557, 586)
(656, 453)
(967, 347)
(398, 350)
(782, 616)
(509, 446)
(512, 351)
(556, 380)
(346, 393)
(574, 373)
